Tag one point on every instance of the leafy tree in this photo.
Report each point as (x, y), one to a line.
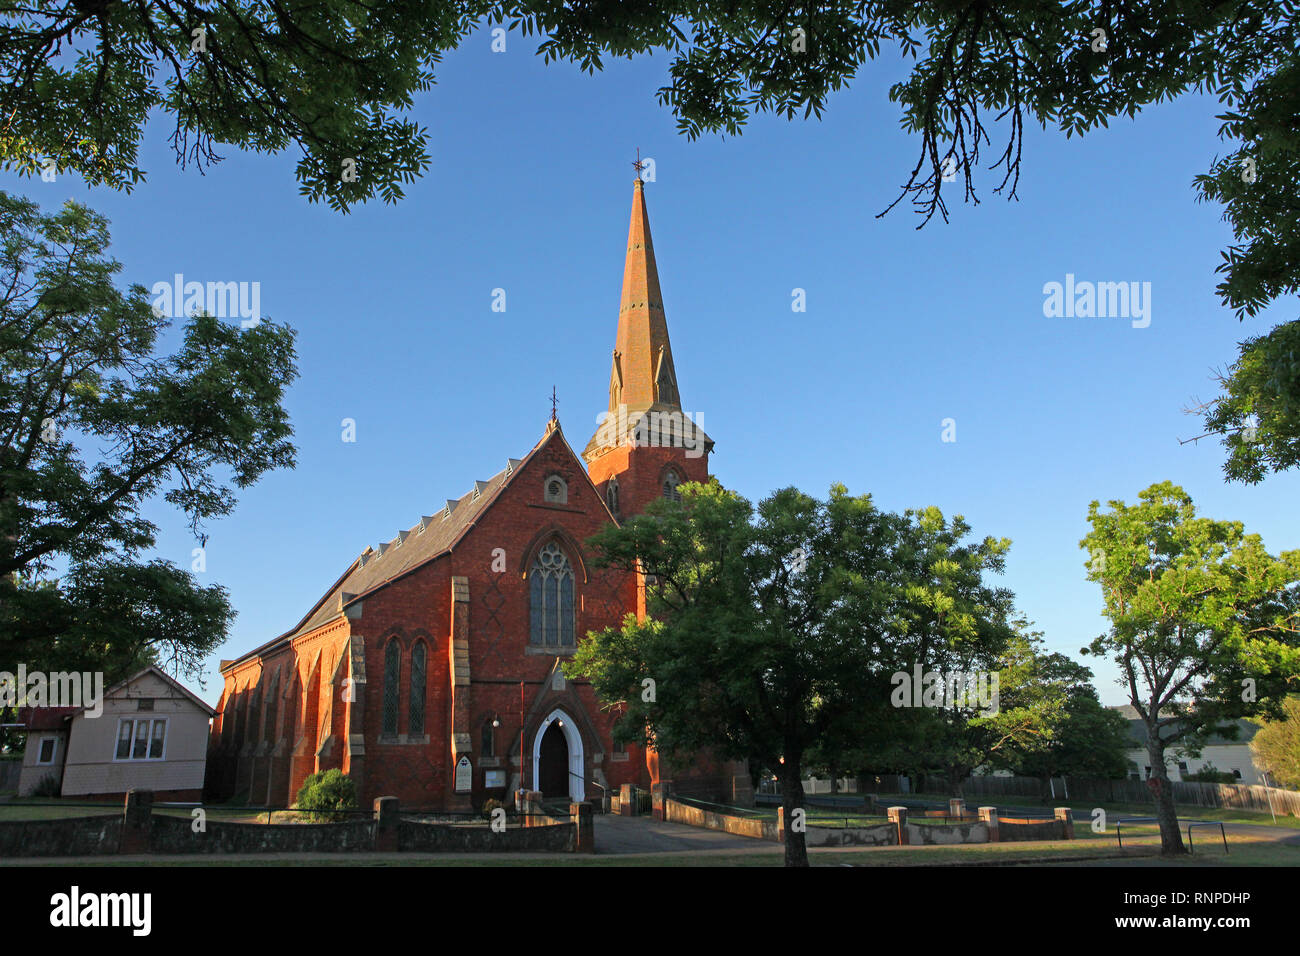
(1205, 623)
(93, 423)
(1276, 745)
(1259, 411)
(1088, 740)
(766, 625)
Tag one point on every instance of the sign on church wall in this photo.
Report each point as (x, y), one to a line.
(464, 775)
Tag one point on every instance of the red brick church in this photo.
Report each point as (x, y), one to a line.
(430, 670)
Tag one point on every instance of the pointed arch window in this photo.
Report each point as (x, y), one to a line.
(551, 598)
(611, 495)
(488, 739)
(671, 481)
(416, 707)
(272, 707)
(392, 671)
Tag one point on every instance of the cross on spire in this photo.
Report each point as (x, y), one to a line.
(638, 165)
(554, 403)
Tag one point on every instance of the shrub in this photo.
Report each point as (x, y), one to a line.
(327, 793)
(1210, 774)
(50, 786)
(490, 805)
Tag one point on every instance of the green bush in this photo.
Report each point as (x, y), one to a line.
(490, 805)
(1210, 774)
(327, 793)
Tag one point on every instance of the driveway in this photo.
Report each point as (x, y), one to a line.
(616, 834)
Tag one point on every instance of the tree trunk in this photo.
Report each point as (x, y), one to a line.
(796, 846)
(1171, 841)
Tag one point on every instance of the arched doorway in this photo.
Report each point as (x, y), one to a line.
(558, 758)
(553, 764)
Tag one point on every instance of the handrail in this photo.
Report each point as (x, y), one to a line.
(1207, 823)
(1119, 826)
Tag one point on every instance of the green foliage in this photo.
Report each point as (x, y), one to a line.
(1205, 623)
(328, 793)
(1208, 774)
(1259, 413)
(1276, 745)
(489, 806)
(93, 424)
(774, 629)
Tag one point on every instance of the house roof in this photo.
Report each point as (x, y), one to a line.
(166, 678)
(1137, 729)
(434, 536)
(45, 718)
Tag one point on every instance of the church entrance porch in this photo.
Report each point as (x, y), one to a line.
(558, 759)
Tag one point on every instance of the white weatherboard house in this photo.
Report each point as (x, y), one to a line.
(151, 735)
(1220, 753)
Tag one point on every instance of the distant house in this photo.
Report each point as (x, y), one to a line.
(152, 734)
(1220, 753)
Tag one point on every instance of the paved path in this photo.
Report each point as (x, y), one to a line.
(615, 834)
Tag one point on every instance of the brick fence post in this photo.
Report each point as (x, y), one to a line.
(387, 819)
(957, 808)
(1066, 821)
(898, 817)
(627, 800)
(585, 824)
(533, 807)
(989, 817)
(658, 793)
(137, 813)
(780, 824)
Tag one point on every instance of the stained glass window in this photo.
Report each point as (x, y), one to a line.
(551, 598)
(417, 689)
(392, 669)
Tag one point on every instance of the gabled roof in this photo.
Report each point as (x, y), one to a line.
(167, 679)
(413, 549)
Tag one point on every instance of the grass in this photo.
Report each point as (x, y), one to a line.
(1244, 852)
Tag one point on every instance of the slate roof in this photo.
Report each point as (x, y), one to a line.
(1137, 729)
(432, 536)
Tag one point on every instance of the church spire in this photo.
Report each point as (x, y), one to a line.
(645, 407)
(643, 373)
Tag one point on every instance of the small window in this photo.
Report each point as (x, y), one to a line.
(156, 741)
(671, 481)
(611, 495)
(1182, 766)
(124, 739)
(556, 490)
(488, 741)
(140, 747)
(144, 703)
(47, 749)
(1236, 773)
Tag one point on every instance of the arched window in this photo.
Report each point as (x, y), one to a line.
(392, 670)
(416, 711)
(489, 739)
(551, 598)
(272, 707)
(611, 495)
(556, 490)
(671, 481)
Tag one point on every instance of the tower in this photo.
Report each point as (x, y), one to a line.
(645, 444)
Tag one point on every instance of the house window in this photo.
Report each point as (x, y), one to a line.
(1182, 766)
(144, 703)
(416, 710)
(141, 739)
(556, 491)
(551, 598)
(392, 670)
(48, 746)
(671, 481)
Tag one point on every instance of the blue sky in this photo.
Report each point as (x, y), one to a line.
(529, 191)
